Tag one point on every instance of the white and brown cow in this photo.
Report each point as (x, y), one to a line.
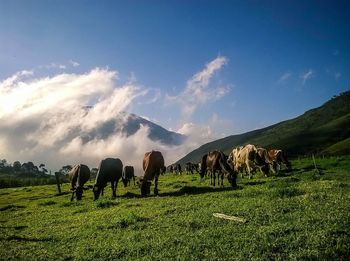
(246, 158)
(78, 175)
(279, 158)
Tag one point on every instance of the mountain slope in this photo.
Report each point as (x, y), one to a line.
(128, 124)
(316, 131)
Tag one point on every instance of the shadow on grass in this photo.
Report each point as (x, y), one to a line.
(14, 227)
(19, 238)
(191, 190)
(12, 207)
(186, 190)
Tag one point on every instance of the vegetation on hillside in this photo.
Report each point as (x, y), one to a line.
(303, 215)
(323, 130)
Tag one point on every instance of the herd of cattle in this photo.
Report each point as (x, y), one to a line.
(244, 159)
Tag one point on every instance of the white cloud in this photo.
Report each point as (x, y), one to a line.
(306, 76)
(49, 120)
(337, 76)
(198, 90)
(284, 77)
(74, 63)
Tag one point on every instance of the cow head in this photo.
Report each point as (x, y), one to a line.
(97, 191)
(232, 177)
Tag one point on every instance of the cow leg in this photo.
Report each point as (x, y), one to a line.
(249, 170)
(214, 176)
(114, 188)
(156, 184)
(222, 179)
(134, 179)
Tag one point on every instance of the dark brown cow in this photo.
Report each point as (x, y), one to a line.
(217, 161)
(267, 163)
(153, 165)
(279, 157)
(128, 174)
(78, 175)
(110, 170)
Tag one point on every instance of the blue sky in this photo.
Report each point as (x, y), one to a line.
(280, 58)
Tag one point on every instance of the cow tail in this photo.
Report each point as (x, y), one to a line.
(79, 177)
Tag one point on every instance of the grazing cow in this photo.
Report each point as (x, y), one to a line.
(110, 170)
(279, 157)
(191, 167)
(268, 163)
(245, 158)
(78, 175)
(217, 161)
(128, 174)
(153, 165)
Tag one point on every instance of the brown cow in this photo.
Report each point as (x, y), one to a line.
(217, 161)
(78, 175)
(153, 165)
(279, 157)
(268, 163)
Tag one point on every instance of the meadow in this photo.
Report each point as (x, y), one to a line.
(302, 215)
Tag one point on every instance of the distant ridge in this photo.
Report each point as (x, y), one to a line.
(324, 130)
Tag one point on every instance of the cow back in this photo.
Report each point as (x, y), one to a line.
(79, 175)
(110, 170)
(153, 163)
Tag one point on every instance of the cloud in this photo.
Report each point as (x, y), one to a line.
(198, 90)
(337, 75)
(283, 79)
(306, 76)
(74, 63)
(62, 119)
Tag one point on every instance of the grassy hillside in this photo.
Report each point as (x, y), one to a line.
(302, 216)
(315, 131)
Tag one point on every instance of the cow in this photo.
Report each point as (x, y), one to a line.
(153, 166)
(78, 175)
(245, 158)
(110, 170)
(190, 167)
(279, 158)
(267, 163)
(128, 174)
(217, 161)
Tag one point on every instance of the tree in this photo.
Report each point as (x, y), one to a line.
(16, 166)
(65, 170)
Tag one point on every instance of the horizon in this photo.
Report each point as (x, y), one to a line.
(204, 69)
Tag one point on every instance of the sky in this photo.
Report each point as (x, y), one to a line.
(206, 69)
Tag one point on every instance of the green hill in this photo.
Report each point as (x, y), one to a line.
(324, 130)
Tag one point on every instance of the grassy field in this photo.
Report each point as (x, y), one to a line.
(302, 215)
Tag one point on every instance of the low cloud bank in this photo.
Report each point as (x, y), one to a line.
(50, 120)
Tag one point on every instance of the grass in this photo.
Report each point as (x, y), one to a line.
(293, 216)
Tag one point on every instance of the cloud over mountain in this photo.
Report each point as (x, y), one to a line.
(50, 120)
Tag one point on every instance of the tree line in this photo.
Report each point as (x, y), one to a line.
(20, 174)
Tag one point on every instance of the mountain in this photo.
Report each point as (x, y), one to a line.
(128, 124)
(324, 130)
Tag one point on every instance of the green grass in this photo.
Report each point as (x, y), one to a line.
(295, 216)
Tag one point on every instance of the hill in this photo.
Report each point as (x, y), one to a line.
(325, 130)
